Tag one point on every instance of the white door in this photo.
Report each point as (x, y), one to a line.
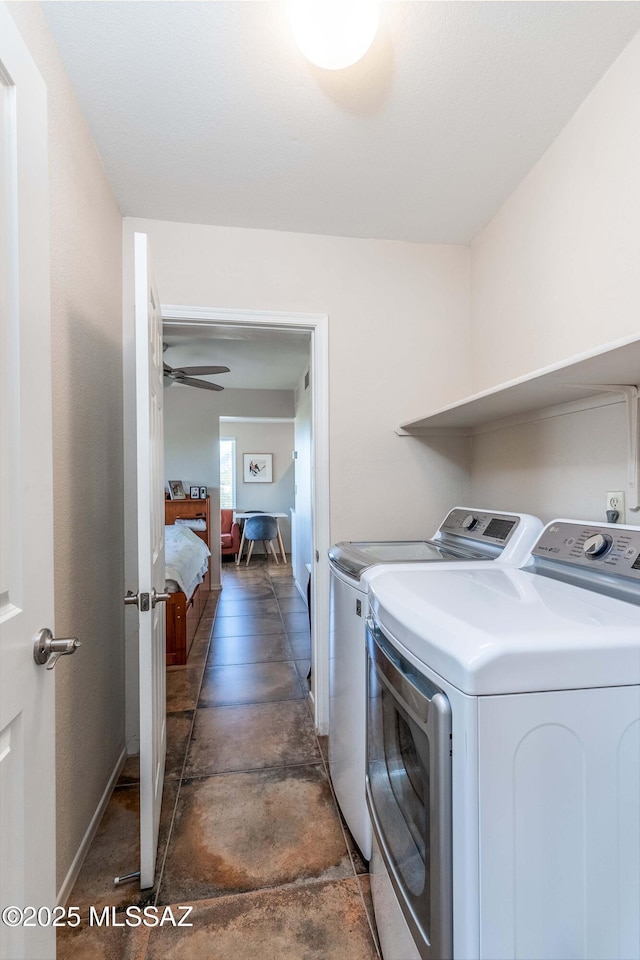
(27, 719)
(150, 487)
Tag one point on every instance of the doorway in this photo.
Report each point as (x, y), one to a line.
(195, 319)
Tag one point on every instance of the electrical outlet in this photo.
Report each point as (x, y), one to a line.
(616, 501)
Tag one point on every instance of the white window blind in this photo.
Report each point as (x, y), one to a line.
(227, 473)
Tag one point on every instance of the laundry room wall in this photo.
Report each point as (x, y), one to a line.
(86, 339)
(557, 467)
(398, 326)
(555, 274)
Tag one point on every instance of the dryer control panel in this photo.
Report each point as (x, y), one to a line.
(611, 548)
(479, 525)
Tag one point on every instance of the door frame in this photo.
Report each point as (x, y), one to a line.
(317, 325)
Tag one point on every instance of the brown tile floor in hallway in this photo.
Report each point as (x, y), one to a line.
(250, 835)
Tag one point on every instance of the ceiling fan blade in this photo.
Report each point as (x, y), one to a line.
(167, 369)
(203, 384)
(200, 371)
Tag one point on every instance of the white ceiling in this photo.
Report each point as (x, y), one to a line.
(258, 358)
(205, 112)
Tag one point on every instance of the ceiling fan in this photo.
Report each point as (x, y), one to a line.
(186, 375)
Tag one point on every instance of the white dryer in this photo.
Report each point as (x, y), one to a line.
(503, 768)
(466, 534)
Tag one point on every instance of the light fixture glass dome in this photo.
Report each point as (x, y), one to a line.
(334, 33)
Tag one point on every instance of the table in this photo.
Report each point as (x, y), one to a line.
(277, 517)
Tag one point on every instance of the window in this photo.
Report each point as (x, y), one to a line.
(227, 473)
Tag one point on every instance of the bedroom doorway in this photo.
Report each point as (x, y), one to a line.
(196, 322)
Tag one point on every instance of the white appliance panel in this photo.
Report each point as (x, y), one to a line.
(395, 937)
(347, 705)
(559, 825)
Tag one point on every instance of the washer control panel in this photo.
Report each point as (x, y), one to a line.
(614, 550)
(478, 525)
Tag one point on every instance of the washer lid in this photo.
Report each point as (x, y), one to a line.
(354, 558)
(494, 630)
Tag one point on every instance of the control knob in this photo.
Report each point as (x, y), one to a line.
(597, 545)
(469, 522)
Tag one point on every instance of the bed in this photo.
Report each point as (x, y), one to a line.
(187, 574)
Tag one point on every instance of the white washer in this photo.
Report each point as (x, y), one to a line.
(503, 772)
(465, 534)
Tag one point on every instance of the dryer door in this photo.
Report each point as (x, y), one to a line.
(409, 791)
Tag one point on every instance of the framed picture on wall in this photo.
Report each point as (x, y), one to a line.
(258, 468)
(176, 490)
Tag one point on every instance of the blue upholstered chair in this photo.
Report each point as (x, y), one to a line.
(261, 528)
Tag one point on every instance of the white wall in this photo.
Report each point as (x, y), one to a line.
(560, 467)
(554, 274)
(86, 302)
(274, 438)
(556, 271)
(398, 330)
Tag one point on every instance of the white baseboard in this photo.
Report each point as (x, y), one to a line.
(83, 849)
(301, 591)
(322, 729)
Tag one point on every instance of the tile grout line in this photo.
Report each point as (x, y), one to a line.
(291, 885)
(252, 663)
(228, 773)
(246, 703)
(249, 703)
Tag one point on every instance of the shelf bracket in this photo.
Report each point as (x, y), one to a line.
(631, 396)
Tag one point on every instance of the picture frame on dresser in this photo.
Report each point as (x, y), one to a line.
(176, 490)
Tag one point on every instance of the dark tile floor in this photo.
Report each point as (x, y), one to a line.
(250, 834)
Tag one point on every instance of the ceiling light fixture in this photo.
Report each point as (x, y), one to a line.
(333, 34)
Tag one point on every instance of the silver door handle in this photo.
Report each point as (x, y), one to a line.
(159, 597)
(144, 600)
(46, 650)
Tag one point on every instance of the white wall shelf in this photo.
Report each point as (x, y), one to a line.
(610, 375)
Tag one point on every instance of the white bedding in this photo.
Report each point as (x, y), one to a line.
(185, 556)
(195, 523)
